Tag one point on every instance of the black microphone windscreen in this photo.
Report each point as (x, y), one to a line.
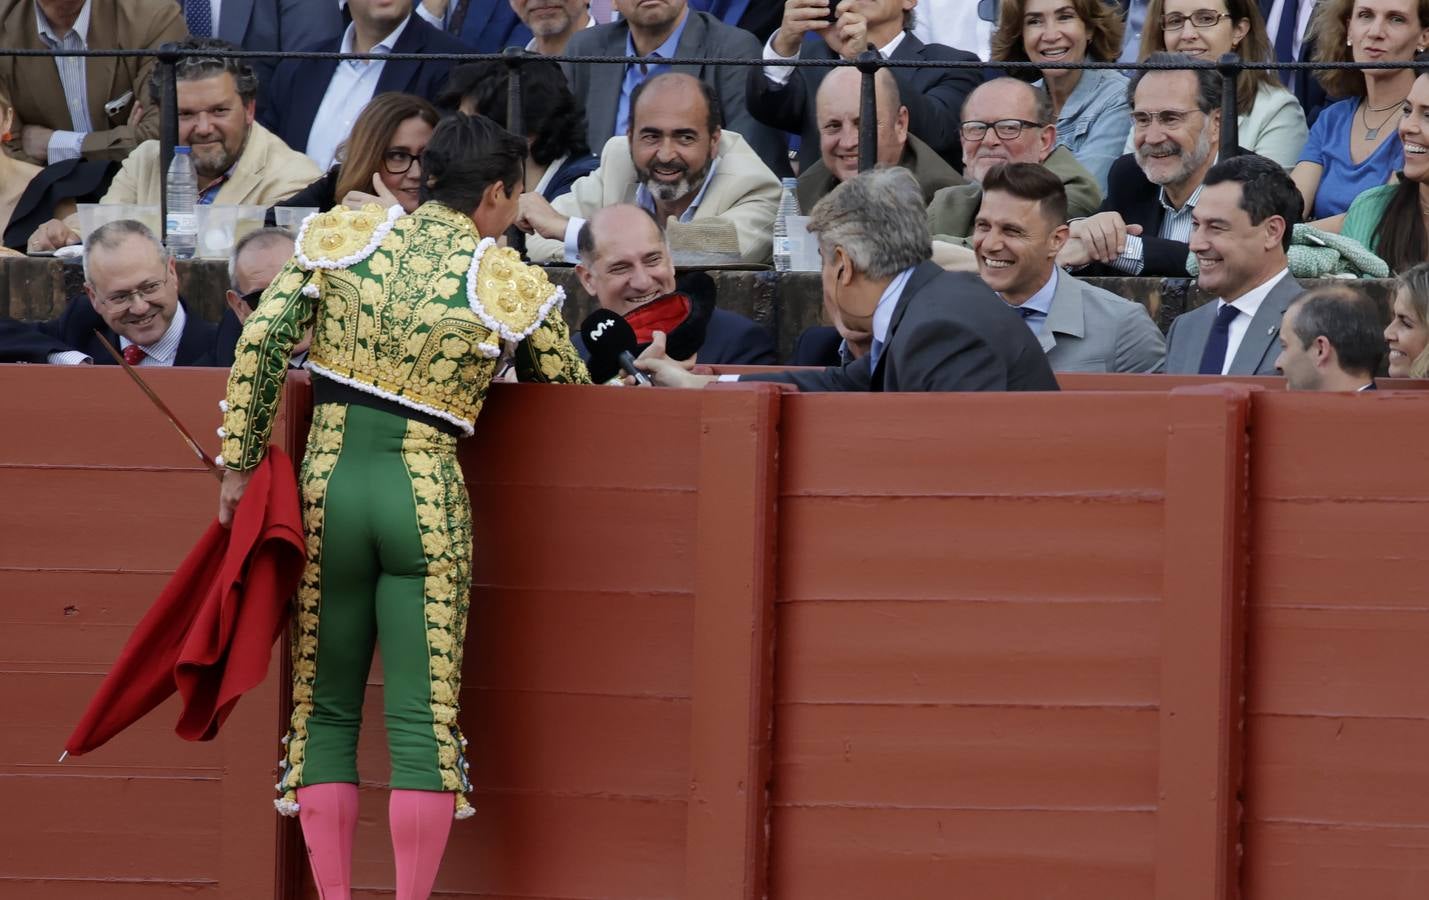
(606, 336)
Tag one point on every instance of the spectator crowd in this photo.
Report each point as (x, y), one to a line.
(995, 192)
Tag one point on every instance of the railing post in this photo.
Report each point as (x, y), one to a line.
(1229, 67)
(168, 133)
(515, 122)
(869, 62)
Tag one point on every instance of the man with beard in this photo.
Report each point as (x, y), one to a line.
(236, 160)
(1145, 220)
(1240, 236)
(675, 162)
(552, 22)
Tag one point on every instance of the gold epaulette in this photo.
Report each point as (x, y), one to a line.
(341, 237)
(510, 297)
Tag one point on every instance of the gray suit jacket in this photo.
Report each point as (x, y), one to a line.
(1186, 340)
(277, 25)
(597, 87)
(1093, 330)
(949, 332)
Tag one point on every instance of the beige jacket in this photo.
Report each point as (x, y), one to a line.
(267, 171)
(112, 85)
(743, 193)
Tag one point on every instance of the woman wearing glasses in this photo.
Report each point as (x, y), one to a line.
(1354, 145)
(380, 161)
(1269, 119)
(1091, 105)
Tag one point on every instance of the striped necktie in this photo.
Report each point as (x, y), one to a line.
(458, 16)
(199, 16)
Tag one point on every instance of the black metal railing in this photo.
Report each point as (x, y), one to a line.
(868, 63)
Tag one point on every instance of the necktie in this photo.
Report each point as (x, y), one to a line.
(199, 16)
(1285, 37)
(600, 11)
(134, 354)
(1213, 358)
(458, 17)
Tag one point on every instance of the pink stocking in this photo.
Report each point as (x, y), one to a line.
(328, 813)
(420, 822)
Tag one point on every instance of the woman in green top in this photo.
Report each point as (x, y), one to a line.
(1390, 219)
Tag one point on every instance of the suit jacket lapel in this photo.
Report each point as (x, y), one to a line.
(399, 75)
(195, 344)
(233, 16)
(99, 70)
(605, 81)
(1066, 315)
(1264, 327)
(692, 44)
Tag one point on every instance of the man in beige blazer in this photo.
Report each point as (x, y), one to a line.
(236, 160)
(707, 185)
(112, 89)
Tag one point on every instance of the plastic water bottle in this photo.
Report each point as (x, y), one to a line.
(181, 223)
(788, 206)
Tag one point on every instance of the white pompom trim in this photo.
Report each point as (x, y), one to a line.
(218, 461)
(467, 428)
(286, 807)
(311, 290)
(557, 298)
(464, 812)
(380, 232)
(223, 406)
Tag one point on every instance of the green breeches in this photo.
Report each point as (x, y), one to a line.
(388, 526)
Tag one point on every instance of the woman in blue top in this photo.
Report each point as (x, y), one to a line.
(1354, 145)
(1093, 115)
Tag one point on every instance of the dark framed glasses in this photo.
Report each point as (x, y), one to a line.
(397, 162)
(1200, 19)
(1007, 129)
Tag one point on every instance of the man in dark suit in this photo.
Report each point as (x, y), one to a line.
(1242, 232)
(1287, 27)
(666, 28)
(1331, 339)
(1145, 220)
(132, 299)
(486, 26)
(625, 264)
(312, 103)
(265, 25)
(783, 97)
(926, 329)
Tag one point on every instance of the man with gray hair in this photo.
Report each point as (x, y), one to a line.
(256, 260)
(1144, 226)
(927, 329)
(236, 160)
(132, 299)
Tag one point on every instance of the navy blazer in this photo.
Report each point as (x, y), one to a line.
(934, 97)
(298, 86)
(277, 25)
(33, 342)
(491, 26)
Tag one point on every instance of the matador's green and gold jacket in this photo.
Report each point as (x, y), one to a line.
(414, 308)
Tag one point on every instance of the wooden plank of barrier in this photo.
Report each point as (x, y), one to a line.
(732, 672)
(1203, 646)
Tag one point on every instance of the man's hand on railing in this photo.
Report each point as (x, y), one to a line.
(52, 235)
(537, 216)
(1099, 238)
(800, 17)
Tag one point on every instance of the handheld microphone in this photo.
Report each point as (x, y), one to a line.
(609, 340)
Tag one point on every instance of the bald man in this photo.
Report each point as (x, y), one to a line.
(837, 109)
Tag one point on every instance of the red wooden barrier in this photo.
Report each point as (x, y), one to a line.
(735, 644)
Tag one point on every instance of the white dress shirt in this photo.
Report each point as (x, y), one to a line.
(352, 85)
(162, 352)
(957, 23)
(782, 74)
(1248, 304)
(66, 144)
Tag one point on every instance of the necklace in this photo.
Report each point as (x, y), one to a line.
(1372, 134)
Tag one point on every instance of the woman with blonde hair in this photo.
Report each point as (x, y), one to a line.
(1093, 116)
(1269, 119)
(381, 160)
(1354, 145)
(1408, 331)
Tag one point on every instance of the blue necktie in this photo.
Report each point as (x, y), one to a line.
(1285, 37)
(199, 16)
(1213, 358)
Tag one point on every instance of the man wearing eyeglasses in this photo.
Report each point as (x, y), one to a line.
(1144, 226)
(132, 300)
(1007, 120)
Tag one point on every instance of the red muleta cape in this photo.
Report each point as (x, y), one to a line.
(210, 634)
